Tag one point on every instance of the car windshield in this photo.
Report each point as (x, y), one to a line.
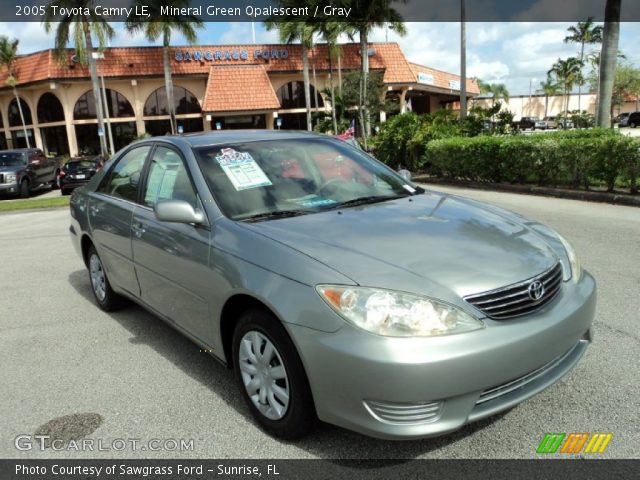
(279, 178)
(12, 159)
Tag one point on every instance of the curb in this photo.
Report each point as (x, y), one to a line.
(602, 197)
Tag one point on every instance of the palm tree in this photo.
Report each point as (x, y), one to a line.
(367, 16)
(584, 33)
(79, 28)
(549, 88)
(330, 32)
(156, 26)
(610, 39)
(290, 32)
(8, 55)
(496, 90)
(463, 61)
(567, 73)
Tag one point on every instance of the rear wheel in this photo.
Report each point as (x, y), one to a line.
(632, 124)
(271, 376)
(107, 299)
(25, 189)
(55, 183)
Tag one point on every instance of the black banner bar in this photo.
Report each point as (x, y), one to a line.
(582, 469)
(330, 10)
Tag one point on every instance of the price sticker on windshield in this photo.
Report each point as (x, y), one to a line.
(241, 169)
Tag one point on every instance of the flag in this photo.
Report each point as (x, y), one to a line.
(349, 132)
(409, 106)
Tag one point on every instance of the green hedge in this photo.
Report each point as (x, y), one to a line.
(576, 158)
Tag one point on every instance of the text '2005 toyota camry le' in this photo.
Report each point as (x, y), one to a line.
(336, 289)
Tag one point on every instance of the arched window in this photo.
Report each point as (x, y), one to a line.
(118, 105)
(291, 95)
(50, 109)
(185, 102)
(14, 113)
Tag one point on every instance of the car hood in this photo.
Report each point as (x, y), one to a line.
(434, 243)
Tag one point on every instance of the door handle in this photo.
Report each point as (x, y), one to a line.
(138, 229)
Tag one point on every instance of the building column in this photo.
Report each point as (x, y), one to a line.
(68, 121)
(206, 122)
(403, 103)
(270, 119)
(138, 109)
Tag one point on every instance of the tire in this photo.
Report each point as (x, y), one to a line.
(632, 124)
(105, 297)
(25, 189)
(287, 417)
(55, 183)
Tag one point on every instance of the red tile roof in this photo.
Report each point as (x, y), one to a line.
(227, 84)
(147, 61)
(441, 79)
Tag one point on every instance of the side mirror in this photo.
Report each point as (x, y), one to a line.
(178, 211)
(406, 174)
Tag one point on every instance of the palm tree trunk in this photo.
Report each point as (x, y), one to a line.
(463, 62)
(364, 53)
(608, 61)
(168, 85)
(546, 105)
(580, 82)
(333, 93)
(315, 80)
(24, 125)
(340, 74)
(93, 70)
(305, 77)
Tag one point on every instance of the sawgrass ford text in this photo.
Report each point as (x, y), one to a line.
(144, 471)
(168, 10)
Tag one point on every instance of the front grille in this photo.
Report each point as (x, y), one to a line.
(508, 387)
(515, 300)
(404, 413)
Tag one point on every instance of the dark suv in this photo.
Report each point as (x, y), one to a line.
(634, 120)
(25, 169)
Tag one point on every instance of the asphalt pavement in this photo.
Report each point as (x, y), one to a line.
(127, 375)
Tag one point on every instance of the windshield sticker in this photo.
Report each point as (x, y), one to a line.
(409, 188)
(316, 201)
(241, 169)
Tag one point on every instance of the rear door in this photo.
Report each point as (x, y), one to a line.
(111, 209)
(171, 259)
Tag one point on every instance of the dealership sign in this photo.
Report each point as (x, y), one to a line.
(425, 78)
(233, 54)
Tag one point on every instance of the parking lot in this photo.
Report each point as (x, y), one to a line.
(140, 379)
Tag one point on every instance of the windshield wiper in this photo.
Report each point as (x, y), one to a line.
(276, 214)
(368, 200)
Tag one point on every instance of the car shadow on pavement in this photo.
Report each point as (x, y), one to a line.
(327, 442)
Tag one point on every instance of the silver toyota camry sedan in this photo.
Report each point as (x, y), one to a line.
(333, 287)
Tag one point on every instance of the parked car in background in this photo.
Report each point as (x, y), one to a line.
(78, 172)
(564, 123)
(335, 288)
(633, 120)
(552, 122)
(26, 169)
(622, 119)
(530, 123)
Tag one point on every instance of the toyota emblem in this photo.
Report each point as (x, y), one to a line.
(536, 290)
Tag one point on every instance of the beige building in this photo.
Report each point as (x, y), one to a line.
(540, 106)
(215, 87)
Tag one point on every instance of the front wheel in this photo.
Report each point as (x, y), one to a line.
(55, 183)
(106, 298)
(25, 189)
(271, 376)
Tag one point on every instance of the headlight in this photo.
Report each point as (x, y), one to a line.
(576, 269)
(10, 178)
(396, 314)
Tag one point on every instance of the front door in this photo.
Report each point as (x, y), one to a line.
(172, 259)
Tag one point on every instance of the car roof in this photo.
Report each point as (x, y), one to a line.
(21, 150)
(204, 139)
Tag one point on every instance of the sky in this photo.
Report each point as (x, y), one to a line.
(514, 53)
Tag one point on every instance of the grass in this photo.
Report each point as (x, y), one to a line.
(31, 203)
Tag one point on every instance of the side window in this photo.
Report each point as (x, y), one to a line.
(168, 179)
(124, 179)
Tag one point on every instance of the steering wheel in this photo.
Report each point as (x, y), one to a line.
(332, 181)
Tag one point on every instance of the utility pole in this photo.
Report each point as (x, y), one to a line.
(463, 61)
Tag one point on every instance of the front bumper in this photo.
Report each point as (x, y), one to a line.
(403, 388)
(9, 188)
